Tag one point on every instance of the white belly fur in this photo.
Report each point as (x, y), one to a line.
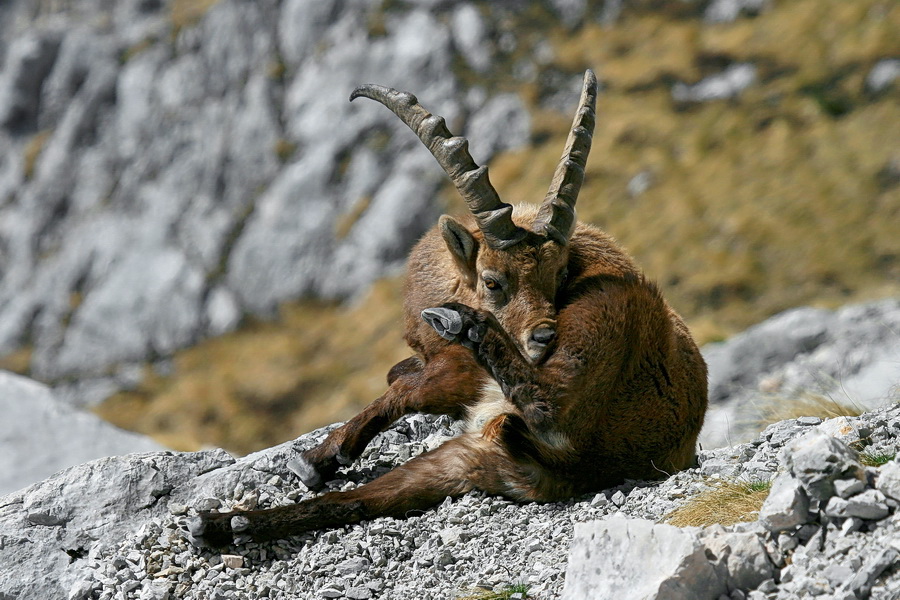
(493, 403)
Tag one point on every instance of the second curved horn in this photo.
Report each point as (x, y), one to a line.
(557, 213)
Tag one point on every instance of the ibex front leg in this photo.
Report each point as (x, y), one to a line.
(446, 383)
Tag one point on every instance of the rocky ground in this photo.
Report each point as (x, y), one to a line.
(112, 529)
(172, 170)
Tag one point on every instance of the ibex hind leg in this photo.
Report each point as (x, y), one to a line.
(454, 468)
(446, 384)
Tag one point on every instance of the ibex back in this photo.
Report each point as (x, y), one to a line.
(570, 368)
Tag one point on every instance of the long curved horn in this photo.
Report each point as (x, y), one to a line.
(494, 217)
(557, 213)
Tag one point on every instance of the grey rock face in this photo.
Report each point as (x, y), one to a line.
(187, 178)
(50, 527)
(507, 109)
(635, 559)
(28, 60)
(571, 12)
(469, 36)
(741, 361)
(40, 435)
(849, 357)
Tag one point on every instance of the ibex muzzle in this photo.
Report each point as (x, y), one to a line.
(572, 371)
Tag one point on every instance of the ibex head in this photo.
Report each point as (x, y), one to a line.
(514, 269)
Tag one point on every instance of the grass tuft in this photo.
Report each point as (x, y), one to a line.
(507, 593)
(780, 408)
(725, 503)
(18, 362)
(875, 458)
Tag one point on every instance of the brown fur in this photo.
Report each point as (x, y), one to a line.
(620, 392)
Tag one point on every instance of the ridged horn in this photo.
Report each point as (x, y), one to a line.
(494, 217)
(557, 213)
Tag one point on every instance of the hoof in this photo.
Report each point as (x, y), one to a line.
(445, 321)
(307, 473)
(195, 527)
(209, 530)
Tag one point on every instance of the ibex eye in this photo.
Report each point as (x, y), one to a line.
(491, 284)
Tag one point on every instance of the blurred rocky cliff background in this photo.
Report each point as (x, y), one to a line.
(202, 240)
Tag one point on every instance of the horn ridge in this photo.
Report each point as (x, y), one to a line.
(494, 217)
(557, 213)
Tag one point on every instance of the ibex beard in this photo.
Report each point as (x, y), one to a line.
(572, 371)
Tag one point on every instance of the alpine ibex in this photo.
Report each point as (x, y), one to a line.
(571, 369)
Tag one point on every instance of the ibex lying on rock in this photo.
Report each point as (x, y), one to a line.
(571, 369)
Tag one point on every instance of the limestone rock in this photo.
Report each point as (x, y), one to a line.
(40, 435)
(883, 75)
(786, 506)
(726, 11)
(727, 84)
(739, 557)
(49, 527)
(28, 61)
(112, 525)
(888, 482)
(635, 559)
(816, 460)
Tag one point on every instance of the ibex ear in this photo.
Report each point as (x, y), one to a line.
(462, 245)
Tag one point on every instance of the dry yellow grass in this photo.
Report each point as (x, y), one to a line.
(33, 150)
(725, 503)
(779, 408)
(18, 361)
(185, 13)
(769, 201)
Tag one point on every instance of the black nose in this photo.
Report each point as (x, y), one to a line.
(543, 335)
